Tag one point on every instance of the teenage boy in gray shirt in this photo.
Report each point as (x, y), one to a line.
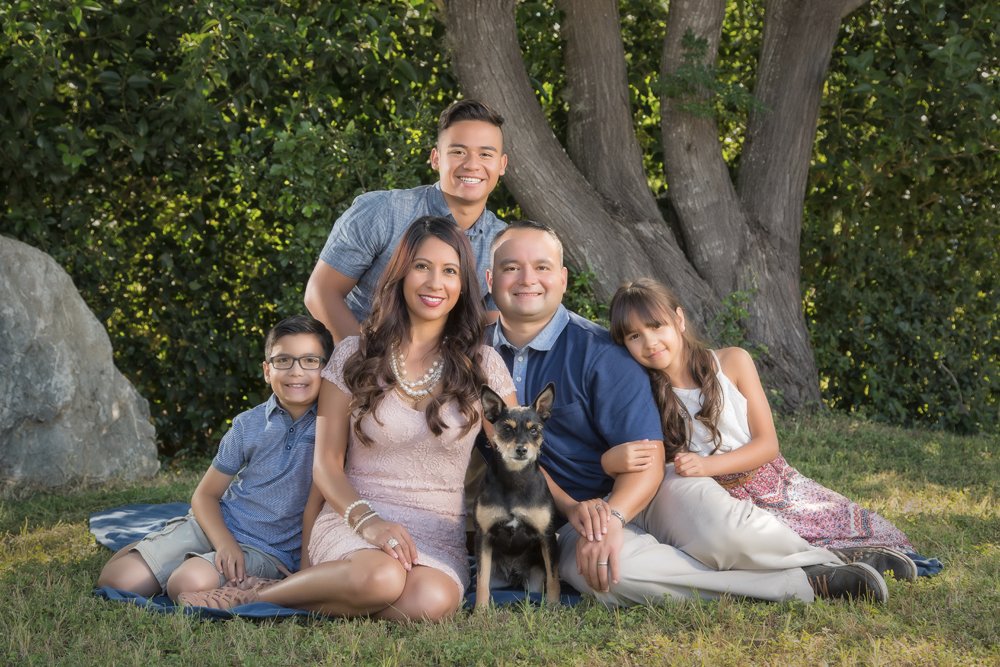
(469, 159)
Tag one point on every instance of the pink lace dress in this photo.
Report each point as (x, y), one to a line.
(409, 475)
(822, 517)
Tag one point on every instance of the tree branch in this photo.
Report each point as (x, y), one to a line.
(700, 188)
(601, 138)
(798, 42)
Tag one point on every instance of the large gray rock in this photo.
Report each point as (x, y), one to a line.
(66, 414)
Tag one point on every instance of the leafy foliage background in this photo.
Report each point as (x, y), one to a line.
(900, 247)
(185, 161)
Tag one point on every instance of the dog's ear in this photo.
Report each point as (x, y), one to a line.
(543, 402)
(493, 405)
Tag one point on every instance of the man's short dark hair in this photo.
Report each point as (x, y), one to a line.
(299, 324)
(468, 110)
(526, 224)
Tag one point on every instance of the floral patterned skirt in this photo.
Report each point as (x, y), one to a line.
(822, 517)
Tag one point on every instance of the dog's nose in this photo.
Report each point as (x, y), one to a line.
(521, 451)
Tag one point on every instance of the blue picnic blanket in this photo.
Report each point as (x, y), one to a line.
(118, 527)
(926, 567)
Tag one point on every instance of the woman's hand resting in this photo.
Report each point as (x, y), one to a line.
(392, 538)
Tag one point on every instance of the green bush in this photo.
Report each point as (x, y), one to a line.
(900, 253)
(185, 161)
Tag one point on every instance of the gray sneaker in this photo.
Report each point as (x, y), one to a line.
(883, 559)
(856, 580)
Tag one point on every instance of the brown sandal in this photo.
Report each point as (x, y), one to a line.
(218, 598)
(252, 583)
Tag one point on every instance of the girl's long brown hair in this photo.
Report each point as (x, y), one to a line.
(651, 303)
(367, 372)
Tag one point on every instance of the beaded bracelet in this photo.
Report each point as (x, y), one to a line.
(367, 516)
(347, 512)
(362, 517)
(618, 515)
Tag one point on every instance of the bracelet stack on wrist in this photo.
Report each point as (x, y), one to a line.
(367, 515)
(356, 503)
(618, 515)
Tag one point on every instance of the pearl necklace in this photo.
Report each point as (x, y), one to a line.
(417, 389)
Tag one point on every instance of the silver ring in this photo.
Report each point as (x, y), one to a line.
(604, 564)
(392, 543)
(600, 506)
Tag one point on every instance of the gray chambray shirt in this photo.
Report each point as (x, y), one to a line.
(365, 236)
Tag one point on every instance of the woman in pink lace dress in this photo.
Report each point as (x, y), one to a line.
(398, 413)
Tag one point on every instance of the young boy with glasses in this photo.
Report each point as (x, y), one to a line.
(246, 513)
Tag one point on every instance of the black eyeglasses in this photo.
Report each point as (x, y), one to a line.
(307, 362)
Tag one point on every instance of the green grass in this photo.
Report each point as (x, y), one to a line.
(937, 487)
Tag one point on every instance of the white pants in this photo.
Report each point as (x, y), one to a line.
(695, 540)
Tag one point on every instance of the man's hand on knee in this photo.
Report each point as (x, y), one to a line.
(599, 562)
(590, 518)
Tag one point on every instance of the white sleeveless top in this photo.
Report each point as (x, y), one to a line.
(733, 426)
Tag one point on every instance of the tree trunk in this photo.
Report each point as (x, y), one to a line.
(600, 115)
(743, 237)
(798, 42)
(699, 186)
(548, 186)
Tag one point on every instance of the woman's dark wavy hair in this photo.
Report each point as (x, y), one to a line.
(653, 304)
(367, 372)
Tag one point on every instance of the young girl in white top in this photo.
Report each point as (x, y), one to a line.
(717, 423)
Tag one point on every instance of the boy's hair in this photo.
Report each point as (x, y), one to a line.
(299, 324)
(468, 110)
(651, 302)
(526, 224)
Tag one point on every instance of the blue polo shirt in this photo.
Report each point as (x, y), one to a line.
(603, 398)
(363, 239)
(271, 457)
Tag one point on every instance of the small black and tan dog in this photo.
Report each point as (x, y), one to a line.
(514, 514)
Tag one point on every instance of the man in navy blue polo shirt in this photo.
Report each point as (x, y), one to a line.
(644, 535)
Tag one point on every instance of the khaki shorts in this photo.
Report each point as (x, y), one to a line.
(183, 538)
